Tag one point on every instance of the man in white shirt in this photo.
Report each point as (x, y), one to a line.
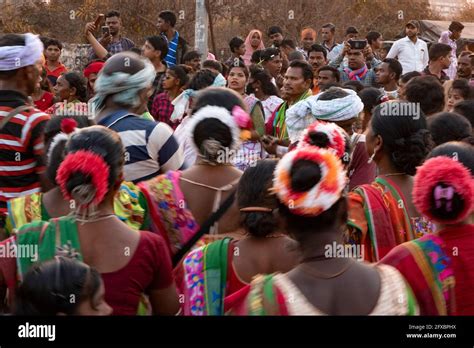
(410, 51)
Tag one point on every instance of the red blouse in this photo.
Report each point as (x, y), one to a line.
(45, 101)
(149, 269)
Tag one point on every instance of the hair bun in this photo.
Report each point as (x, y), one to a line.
(83, 194)
(410, 152)
(325, 135)
(309, 180)
(84, 164)
(443, 190)
(210, 149)
(400, 142)
(319, 139)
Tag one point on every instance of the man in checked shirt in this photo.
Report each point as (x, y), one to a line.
(113, 42)
(449, 38)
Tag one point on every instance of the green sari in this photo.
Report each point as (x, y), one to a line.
(56, 237)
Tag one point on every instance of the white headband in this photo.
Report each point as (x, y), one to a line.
(16, 57)
(305, 112)
(56, 140)
(221, 114)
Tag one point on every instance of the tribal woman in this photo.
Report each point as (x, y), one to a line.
(131, 264)
(309, 184)
(440, 266)
(382, 214)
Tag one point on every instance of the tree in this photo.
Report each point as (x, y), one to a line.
(467, 14)
(65, 20)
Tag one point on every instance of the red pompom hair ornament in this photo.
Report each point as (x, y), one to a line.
(456, 178)
(68, 125)
(90, 164)
(334, 133)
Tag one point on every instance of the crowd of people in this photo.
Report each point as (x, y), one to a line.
(297, 177)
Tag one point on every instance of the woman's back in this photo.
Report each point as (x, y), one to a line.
(202, 200)
(131, 263)
(362, 290)
(268, 255)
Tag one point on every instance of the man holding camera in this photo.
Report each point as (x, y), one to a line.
(111, 39)
(357, 52)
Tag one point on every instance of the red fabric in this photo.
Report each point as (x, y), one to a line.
(383, 229)
(93, 68)
(402, 259)
(281, 302)
(269, 124)
(360, 172)
(149, 269)
(233, 282)
(45, 101)
(459, 242)
(236, 303)
(162, 109)
(56, 72)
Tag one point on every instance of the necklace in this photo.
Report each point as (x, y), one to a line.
(99, 218)
(316, 274)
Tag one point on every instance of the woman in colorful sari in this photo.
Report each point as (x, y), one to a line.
(309, 183)
(129, 204)
(251, 149)
(223, 267)
(181, 201)
(131, 264)
(440, 266)
(381, 214)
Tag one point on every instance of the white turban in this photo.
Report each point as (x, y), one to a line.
(16, 57)
(305, 112)
(123, 87)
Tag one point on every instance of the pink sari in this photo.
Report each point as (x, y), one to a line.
(169, 213)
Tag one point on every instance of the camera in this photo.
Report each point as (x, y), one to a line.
(358, 44)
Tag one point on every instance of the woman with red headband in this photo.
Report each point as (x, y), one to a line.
(440, 267)
(309, 184)
(90, 72)
(131, 264)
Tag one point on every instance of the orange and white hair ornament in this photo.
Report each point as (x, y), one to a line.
(322, 195)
